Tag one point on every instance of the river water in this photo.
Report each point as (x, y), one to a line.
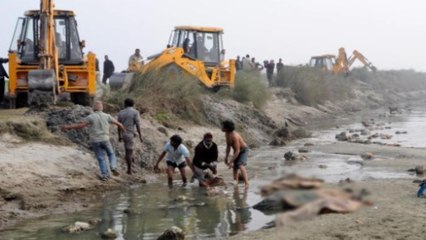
(153, 207)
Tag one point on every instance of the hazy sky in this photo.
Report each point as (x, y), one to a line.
(390, 33)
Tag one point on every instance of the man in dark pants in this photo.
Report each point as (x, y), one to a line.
(130, 119)
(270, 72)
(108, 69)
(280, 65)
(3, 76)
(205, 157)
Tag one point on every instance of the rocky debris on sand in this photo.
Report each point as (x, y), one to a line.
(367, 156)
(346, 180)
(283, 135)
(420, 169)
(343, 136)
(81, 226)
(56, 117)
(300, 133)
(109, 234)
(173, 233)
(394, 110)
(290, 156)
(304, 150)
(163, 130)
(401, 132)
(278, 142)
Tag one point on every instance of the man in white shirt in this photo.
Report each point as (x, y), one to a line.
(177, 157)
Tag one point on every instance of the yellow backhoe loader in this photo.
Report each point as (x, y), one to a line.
(341, 64)
(195, 51)
(46, 59)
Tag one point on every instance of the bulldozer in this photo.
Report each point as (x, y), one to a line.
(194, 51)
(46, 59)
(342, 63)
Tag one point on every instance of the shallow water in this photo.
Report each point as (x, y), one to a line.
(153, 207)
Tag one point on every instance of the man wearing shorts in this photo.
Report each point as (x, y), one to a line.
(239, 158)
(130, 118)
(205, 157)
(177, 157)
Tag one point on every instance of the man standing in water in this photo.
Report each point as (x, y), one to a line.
(130, 119)
(239, 158)
(98, 123)
(177, 154)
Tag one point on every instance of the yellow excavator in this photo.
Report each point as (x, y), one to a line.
(342, 63)
(195, 51)
(46, 59)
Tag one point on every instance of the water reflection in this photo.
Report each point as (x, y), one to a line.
(239, 215)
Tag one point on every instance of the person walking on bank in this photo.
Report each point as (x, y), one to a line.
(205, 157)
(270, 71)
(239, 158)
(130, 118)
(238, 64)
(98, 123)
(280, 66)
(108, 69)
(3, 76)
(177, 154)
(247, 65)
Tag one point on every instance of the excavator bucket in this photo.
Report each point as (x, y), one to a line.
(41, 87)
(120, 80)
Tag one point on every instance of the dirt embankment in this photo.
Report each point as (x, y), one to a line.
(46, 171)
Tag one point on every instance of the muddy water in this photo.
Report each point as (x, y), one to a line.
(153, 208)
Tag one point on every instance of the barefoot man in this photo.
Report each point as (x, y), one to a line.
(239, 158)
(177, 157)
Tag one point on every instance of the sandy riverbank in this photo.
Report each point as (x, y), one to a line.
(40, 178)
(396, 212)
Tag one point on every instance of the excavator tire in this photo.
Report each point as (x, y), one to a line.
(82, 98)
(21, 100)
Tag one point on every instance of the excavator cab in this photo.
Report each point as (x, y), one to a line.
(68, 43)
(199, 44)
(46, 59)
(324, 62)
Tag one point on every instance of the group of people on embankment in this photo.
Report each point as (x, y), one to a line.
(249, 64)
(176, 153)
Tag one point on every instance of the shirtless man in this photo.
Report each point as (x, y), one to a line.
(239, 158)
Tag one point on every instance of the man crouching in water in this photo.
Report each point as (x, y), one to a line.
(239, 158)
(176, 152)
(205, 157)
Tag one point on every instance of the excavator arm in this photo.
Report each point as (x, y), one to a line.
(42, 85)
(357, 55)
